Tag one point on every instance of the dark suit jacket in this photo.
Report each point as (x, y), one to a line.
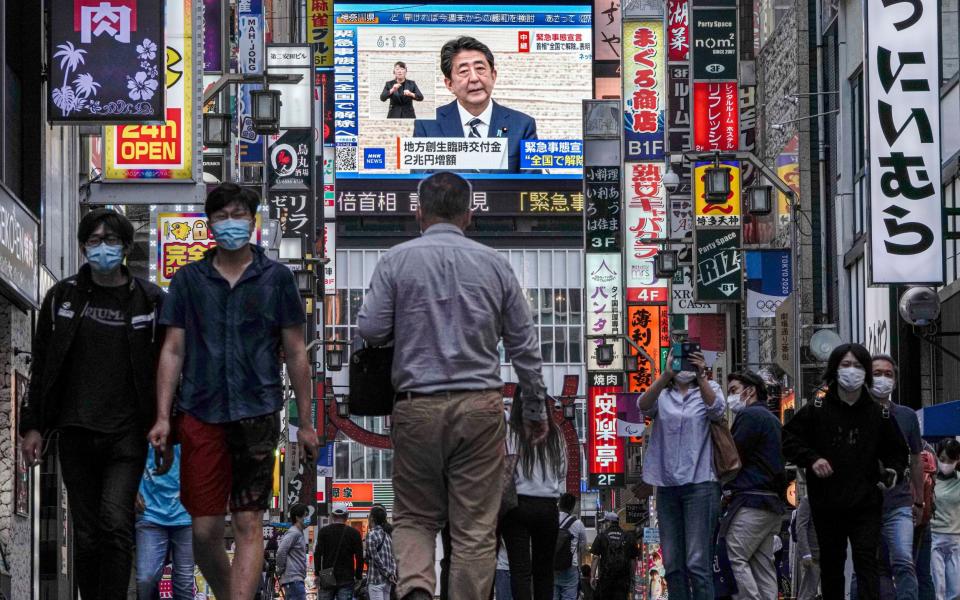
(504, 122)
(401, 107)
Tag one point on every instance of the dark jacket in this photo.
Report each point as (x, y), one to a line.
(854, 440)
(57, 323)
(757, 433)
(401, 106)
(504, 123)
(347, 562)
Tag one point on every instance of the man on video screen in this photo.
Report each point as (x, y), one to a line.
(469, 73)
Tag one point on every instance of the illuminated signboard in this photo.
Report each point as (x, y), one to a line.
(162, 151)
(605, 456)
(646, 219)
(644, 97)
(727, 214)
(716, 117)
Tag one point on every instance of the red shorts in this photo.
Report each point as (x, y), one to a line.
(227, 464)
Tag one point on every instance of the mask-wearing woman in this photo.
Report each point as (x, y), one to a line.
(945, 525)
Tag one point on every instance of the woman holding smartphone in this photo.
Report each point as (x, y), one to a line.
(679, 462)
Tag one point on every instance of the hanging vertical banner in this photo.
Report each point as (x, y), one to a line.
(718, 265)
(161, 152)
(769, 281)
(604, 297)
(605, 454)
(250, 26)
(105, 61)
(644, 98)
(607, 25)
(714, 32)
(788, 169)
(678, 30)
(213, 36)
(903, 111)
(726, 214)
(646, 219)
(290, 158)
(330, 251)
(716, 118)
(644, 325)
(320, 32)
(602, 208)
(679, 116)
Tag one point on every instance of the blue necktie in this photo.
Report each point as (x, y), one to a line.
(474, 132)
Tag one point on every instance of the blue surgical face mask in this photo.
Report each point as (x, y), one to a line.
(232, 234)
(105, 258)
(306, 521)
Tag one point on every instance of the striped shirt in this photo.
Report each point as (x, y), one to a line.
(381, 562)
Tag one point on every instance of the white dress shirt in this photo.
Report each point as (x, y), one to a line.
(483, 127)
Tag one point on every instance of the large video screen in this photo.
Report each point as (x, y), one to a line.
(397, 114)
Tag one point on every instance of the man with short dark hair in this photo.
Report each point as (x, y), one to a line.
(755, 507)
(94, 360)
(470, 74)
(566, 581)
(613, 550)
(903, 503)
(339, 547)
(446, 302)
(229, 316)
(292, 555)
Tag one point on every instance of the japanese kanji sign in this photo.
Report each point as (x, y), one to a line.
(330, 251)
(644, 90)
(293, 210)
(183, 238)
(604, 448)
(320, 31)
(604, 307)
(106, 60)
(607, 21)
(716, 116)
(716, 215)
(678, 30)
(718, 266)
(903, 110)
(602, 213)
(291, 157)
(165, 151)
(646, 219)
(357, 496)
(647, 326)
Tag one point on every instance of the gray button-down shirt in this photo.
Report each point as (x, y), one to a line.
(446, 301)
(680, 450)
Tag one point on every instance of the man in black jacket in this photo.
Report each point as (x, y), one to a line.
(94, 364)
(339, 547)
(851, 448)
(401, 92)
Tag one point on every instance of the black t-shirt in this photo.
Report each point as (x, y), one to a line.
(604, 547)
(348, 563)
(96, 383)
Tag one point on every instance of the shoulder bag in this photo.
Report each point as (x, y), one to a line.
(726, 460)
(326, 579)
(371, 386)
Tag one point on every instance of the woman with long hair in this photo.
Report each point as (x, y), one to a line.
(381, 561)
(850, 448)
(530, 529)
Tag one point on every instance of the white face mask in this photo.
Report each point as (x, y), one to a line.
(736, 403)
(948, 469)
(851, 378)
(685, 377)
(882, 387)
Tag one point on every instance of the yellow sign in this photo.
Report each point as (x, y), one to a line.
(183, 238)
(320, 31)
(165, 152)
(726, 214)
(788, 169)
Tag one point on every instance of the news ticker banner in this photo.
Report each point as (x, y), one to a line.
(164, 151)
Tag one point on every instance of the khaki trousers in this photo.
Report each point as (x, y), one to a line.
(447, 466)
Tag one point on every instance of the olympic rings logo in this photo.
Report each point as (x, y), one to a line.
(769, 305)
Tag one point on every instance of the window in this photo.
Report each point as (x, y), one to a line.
(949, 39)
(859, 133)
(951, 202)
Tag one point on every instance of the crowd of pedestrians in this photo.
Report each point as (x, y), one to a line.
(197, 371)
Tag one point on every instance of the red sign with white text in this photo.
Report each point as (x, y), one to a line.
(678, 30)
(716, 117)
(604, 449)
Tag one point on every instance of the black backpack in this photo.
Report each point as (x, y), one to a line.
(562, 554)
(614, 561)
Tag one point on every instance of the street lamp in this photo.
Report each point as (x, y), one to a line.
(665, 264)
(569, 408)
(759, 200)
(216, 130)
(305, 282)
(605, 354)
(265, 111)
(717, 183)
(334, 358)
(343, 407)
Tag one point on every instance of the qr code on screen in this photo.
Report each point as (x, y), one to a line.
(347, 159)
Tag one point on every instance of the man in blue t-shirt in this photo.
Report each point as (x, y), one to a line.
(163, 526)
(903, 502)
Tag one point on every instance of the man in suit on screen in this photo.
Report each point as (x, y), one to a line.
(469, 74)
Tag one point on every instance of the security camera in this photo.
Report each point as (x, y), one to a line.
(919, 306)
(671, 181)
